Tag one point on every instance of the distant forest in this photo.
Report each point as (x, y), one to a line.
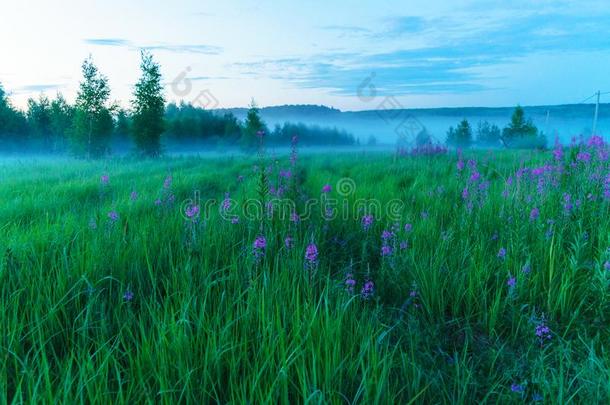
(93, 127)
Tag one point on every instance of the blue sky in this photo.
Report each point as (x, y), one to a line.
(425, 53)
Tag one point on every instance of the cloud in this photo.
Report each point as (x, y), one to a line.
(201, 49)
(177, 48)
(39, 88)
(454, 55)
(107, 42)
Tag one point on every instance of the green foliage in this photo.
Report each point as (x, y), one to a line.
(309, 135)
(61, 117)
(13, 124)
(253, 128)
(460, 137)
(488, 134)
(148, 108)
(93, 125)
(521, 133)
(189, 124)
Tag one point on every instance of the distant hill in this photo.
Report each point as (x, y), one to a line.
(563, 120)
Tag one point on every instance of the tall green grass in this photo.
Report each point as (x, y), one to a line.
(210, 323)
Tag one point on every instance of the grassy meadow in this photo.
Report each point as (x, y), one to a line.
(480, 277)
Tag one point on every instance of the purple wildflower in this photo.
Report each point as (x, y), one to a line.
(134, 195)
(534, 214)
(167, 183)
(350, 283)
(408, 227)
(289, 242)
(113, 216)
(385, 235)
(386, 250)
(517, 388)
(368, 289)
(502, 253)
(512, 281)
(367, 221)
(327, 188)
(260, 243)
(192, 212)
(311, 253)
(128, 295)
(294, 217)
(607, 265)
(104, 179)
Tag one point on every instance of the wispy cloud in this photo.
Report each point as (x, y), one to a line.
(177, 48)
(39, 88)
(107, 42)
(453, 52)
(198, 48)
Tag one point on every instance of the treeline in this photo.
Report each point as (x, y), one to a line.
(519, 133)
(92, 125)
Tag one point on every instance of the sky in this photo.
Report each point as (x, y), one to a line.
(338, 53)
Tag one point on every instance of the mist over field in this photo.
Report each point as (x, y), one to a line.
(563, 121)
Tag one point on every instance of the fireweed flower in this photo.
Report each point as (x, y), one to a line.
(385, 235)
(226, 203)
(311, 253)
(584, 157)
(517, 388)
(408, 227)
(289, 242)
(460, 165)
(368, 289)
(192, 212)
(235, 220)
(512, 281)
(502, 254)
(526, 269)
(134, 195)
(158, 202)
(104, 179)
(167, 183)
(543, 332)
(367, 221)
(294, 217)
(327, 188)
(607, 265)
(404, 244)
(113, 216)
(259, 245)
(534, 214)
(386, 250)
(128, 295)
(350, 283)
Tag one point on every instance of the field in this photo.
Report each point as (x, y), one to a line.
(481, 277)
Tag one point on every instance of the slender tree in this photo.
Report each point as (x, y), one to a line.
(254, 127)
(148, 108)
(93, 120)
